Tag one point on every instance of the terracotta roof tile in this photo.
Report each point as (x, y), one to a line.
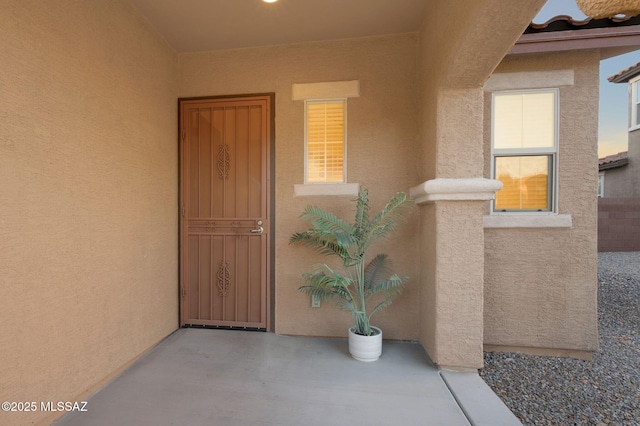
(563, 33)
(626, 74)
(613, 161)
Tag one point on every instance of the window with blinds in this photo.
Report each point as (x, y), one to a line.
(325, 141)
(524, 150)
(525, 183)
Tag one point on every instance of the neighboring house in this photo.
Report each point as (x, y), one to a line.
(625, 181)
(619, 207)
(123, 219)
(614, 179)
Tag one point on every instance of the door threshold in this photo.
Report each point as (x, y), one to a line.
(224, 327)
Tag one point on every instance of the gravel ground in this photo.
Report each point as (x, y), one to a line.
(544, 390)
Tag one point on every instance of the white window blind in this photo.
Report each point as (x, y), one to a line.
(525, 183)
(325, 141)
(524, 120)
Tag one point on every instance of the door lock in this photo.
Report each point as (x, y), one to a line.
(259, 229)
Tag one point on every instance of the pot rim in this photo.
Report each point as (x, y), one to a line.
(378, 331)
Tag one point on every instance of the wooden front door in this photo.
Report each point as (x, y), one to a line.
(224, 220)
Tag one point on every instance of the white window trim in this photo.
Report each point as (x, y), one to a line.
(529, 80)
(528, 220)
(344, 141)
(633, 87)
(601, 184)
(323, 91)
(531, 151)
(326, 189)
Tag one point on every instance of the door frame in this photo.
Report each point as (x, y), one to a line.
(182, 223)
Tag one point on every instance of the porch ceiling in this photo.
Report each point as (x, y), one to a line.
(202, 25)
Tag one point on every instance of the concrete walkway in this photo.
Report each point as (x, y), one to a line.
(221, 377)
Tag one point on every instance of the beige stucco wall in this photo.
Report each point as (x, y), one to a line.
(458, 51)
(633, 184)
(634, 164)
(382, 130)
(618, 182)
(88, 188)
(625, 181)
(540, 284)
(88, 177)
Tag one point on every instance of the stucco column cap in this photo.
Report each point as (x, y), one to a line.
(451, 189)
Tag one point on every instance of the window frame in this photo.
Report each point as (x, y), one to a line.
(551, 152)
(306, 139)
(634, 123)
(601, 184)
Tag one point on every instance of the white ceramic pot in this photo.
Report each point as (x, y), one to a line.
(365, 348)
(607, 8)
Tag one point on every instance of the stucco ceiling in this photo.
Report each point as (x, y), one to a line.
(200, 25)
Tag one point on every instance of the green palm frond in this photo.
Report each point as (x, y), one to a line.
(380, 306)
(323, 275)
(325, 284)
(362, 212)
(327, 223)
(378, 269)
(386, 221)
(391, 287)
(323, 245)
(393, 212)
(323, 294)
(348, 306)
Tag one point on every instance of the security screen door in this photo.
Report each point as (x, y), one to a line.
(224, 217)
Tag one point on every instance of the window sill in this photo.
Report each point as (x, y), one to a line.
(528, 221)
(326, 189)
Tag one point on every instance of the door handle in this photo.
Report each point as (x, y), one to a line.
(258, 231)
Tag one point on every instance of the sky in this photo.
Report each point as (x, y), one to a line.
(613, 122)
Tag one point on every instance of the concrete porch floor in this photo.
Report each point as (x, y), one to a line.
(222, 377)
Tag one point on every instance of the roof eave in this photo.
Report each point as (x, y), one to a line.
(613, 164)
(595, 38)
(626, 75)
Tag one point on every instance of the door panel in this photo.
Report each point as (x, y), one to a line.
(225, 216)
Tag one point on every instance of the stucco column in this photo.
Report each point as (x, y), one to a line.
(455, 63)
(452, 240)
(453, 268)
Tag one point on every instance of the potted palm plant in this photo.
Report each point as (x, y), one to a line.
(359, 281)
